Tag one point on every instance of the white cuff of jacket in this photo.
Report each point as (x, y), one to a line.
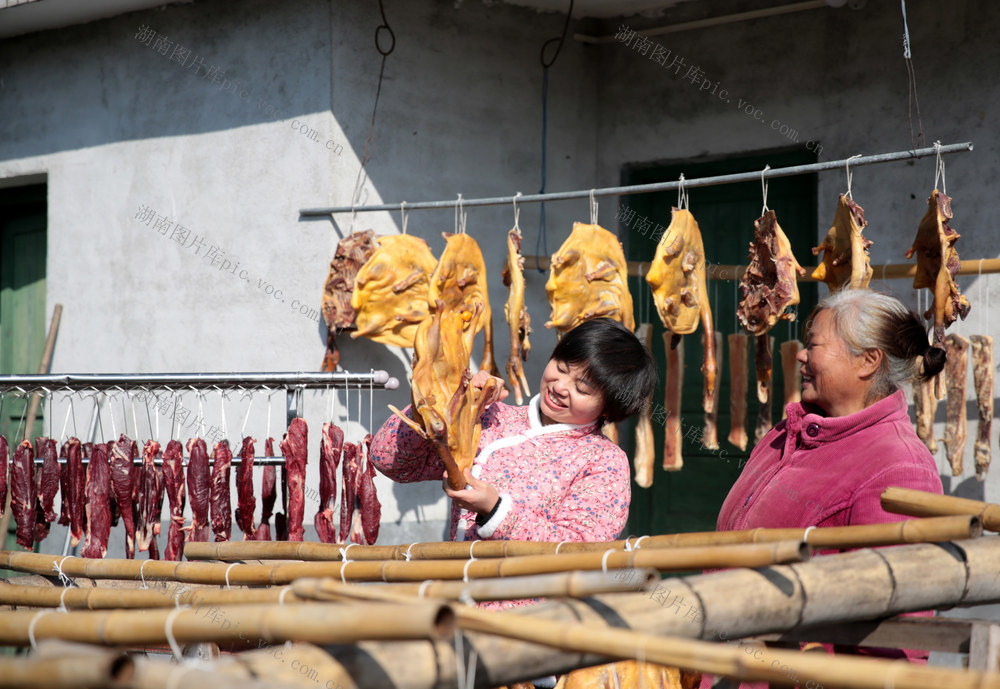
(487, 529)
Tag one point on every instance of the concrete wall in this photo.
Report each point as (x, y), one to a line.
(837, 77)
(846, 88)
(121, 131)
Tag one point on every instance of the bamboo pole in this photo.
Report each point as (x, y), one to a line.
(762, 664)
(841, 537)
(301, 665)
(854, 586)
(67, 667)
(570, 584)
(167, 595)
(315, 622)
(888, 271)
(674, 559)
(921, 504)
(170, 594)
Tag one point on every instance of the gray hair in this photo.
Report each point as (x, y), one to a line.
(866, 319)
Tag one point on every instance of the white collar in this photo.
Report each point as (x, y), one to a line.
(535, 420)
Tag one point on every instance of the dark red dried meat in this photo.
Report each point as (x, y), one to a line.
(330, 448)
(294, 446)
(222, 512)
(246, 503)
(98, 503)
(198, 487)
(173, 481)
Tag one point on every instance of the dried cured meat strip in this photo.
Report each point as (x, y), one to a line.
(955, 429)
(23, 495)
(198, 487)
(738, 384)
(246, 503)
(982, 377)
(330, 449)
(173, 482)
(294, 446)
(98, 504)
(222, 514)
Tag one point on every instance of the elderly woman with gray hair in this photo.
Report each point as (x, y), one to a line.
(850, 437)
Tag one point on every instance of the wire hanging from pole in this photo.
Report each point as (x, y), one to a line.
(542, 239)
(911, 83)
(370, 139)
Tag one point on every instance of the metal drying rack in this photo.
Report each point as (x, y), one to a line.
(293, 383)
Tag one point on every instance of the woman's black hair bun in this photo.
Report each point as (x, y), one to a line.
(934, 359)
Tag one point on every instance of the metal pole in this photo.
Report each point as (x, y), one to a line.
(659, 186)
(97, 381)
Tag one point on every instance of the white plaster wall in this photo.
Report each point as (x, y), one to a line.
(118, 127)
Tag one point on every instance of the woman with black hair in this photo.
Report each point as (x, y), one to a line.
(544, 471)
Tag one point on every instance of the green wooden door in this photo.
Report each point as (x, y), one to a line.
(690, 499)
(22, 297)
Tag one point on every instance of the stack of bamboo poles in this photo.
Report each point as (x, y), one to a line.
(383, 635)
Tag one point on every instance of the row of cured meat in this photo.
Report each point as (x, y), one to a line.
(101, 484)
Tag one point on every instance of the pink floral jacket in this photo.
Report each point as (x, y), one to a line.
(557, 482)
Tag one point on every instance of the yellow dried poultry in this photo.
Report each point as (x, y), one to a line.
(937, 265)
(588, 279)
(459, 281)
(845, 251)
(518, 319)
(680, 292)
(447, 408)
(390, 290)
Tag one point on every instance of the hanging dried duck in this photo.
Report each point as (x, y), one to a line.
(459, 282)
(938, 264)
(588, 279)
(769, 285)
(678, 282)
(845, 252)
(446, 407)
(352, 253)
(518, 319)
(390, 290)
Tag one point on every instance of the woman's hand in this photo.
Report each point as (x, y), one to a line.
(478, 496)
(499, 392)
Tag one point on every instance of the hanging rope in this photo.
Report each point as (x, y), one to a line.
(370, 140)
(939, 169)
(850, 175)
(593, 208)
(911, 83)
(542, 240)
(763, 188)
(402, 216)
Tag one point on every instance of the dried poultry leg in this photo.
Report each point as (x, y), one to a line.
(518, 319)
